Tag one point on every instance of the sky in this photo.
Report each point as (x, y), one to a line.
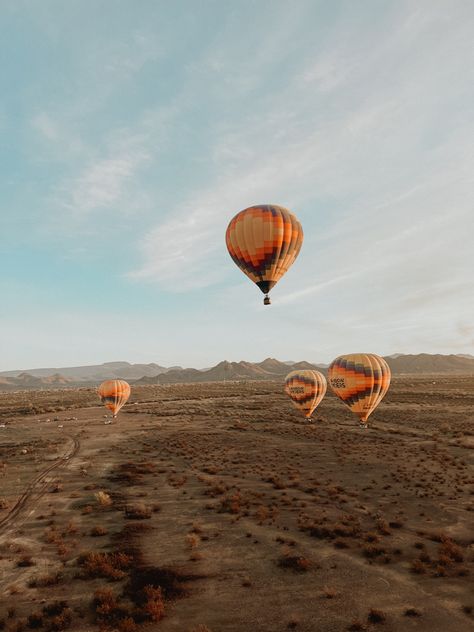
(132, 132)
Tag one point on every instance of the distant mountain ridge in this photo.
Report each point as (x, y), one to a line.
(268, 369)
(96, 372)
(431, 363)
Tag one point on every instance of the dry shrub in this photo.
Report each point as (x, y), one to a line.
(412, 612)
(154, 606)
(296, 562)
(231, 504)
(137, 511)
(192, 540)
(109, 565)
(382, 526)
(373, 551)
(451, 550)
(262, 514)
(418, 567)
(45, 580)
(109, 610)
(98, 531)
(127, 625)
(330, 593)
(60, 622)
(376, 616)
(103, 499)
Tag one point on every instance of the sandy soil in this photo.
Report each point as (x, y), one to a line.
(247, 517)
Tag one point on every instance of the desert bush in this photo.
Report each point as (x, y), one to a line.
(376, 616)
(382, 526)
(295, 562)
(412, 612)
(154, 606)
(372, 551)
(127, 625)
(109, 565)
(103, 499)
(329, 593)
(418, 567)
(60, 622)
(451, 550)
(137, 511)
(98, 530)
(42, 581)
(192, 540)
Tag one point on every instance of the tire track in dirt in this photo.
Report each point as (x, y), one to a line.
(22, 502)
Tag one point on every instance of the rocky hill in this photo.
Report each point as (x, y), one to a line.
(96, 372)
(431, 363)
(268, 369)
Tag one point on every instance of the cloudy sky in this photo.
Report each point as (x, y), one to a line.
(131, 133)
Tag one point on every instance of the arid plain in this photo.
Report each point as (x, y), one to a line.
(216, 507)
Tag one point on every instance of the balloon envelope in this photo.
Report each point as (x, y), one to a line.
(114, 394)
(306, 389)
(361, 380)
(264, 241)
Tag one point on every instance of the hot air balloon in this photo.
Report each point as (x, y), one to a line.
(264, 241)
(306, 389)
(114, 394)
(361, 381)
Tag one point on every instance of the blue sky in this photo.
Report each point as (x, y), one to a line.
(131, 133)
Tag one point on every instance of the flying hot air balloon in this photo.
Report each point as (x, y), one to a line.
(264, 241)
(306, 389)
(361, 380)
(114, 394)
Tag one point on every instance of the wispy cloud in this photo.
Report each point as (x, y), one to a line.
(102, 184)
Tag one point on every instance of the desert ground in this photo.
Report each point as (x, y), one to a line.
(217, 507)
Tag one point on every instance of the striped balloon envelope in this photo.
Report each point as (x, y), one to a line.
(264, 241)
(114, 394)
(361, 380)
(306, 389)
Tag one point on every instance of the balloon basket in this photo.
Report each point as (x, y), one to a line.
(266, 300)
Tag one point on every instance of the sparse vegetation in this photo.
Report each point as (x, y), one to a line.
(265, 485)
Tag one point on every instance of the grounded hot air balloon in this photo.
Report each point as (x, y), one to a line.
(264, 241)
(114, 394)
(361, 381)
(306, 389)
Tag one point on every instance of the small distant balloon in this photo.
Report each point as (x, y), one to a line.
(264, 242)
(114, 394)
(306, 389)
(361, 380)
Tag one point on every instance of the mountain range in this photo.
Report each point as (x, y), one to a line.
(269, 369)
